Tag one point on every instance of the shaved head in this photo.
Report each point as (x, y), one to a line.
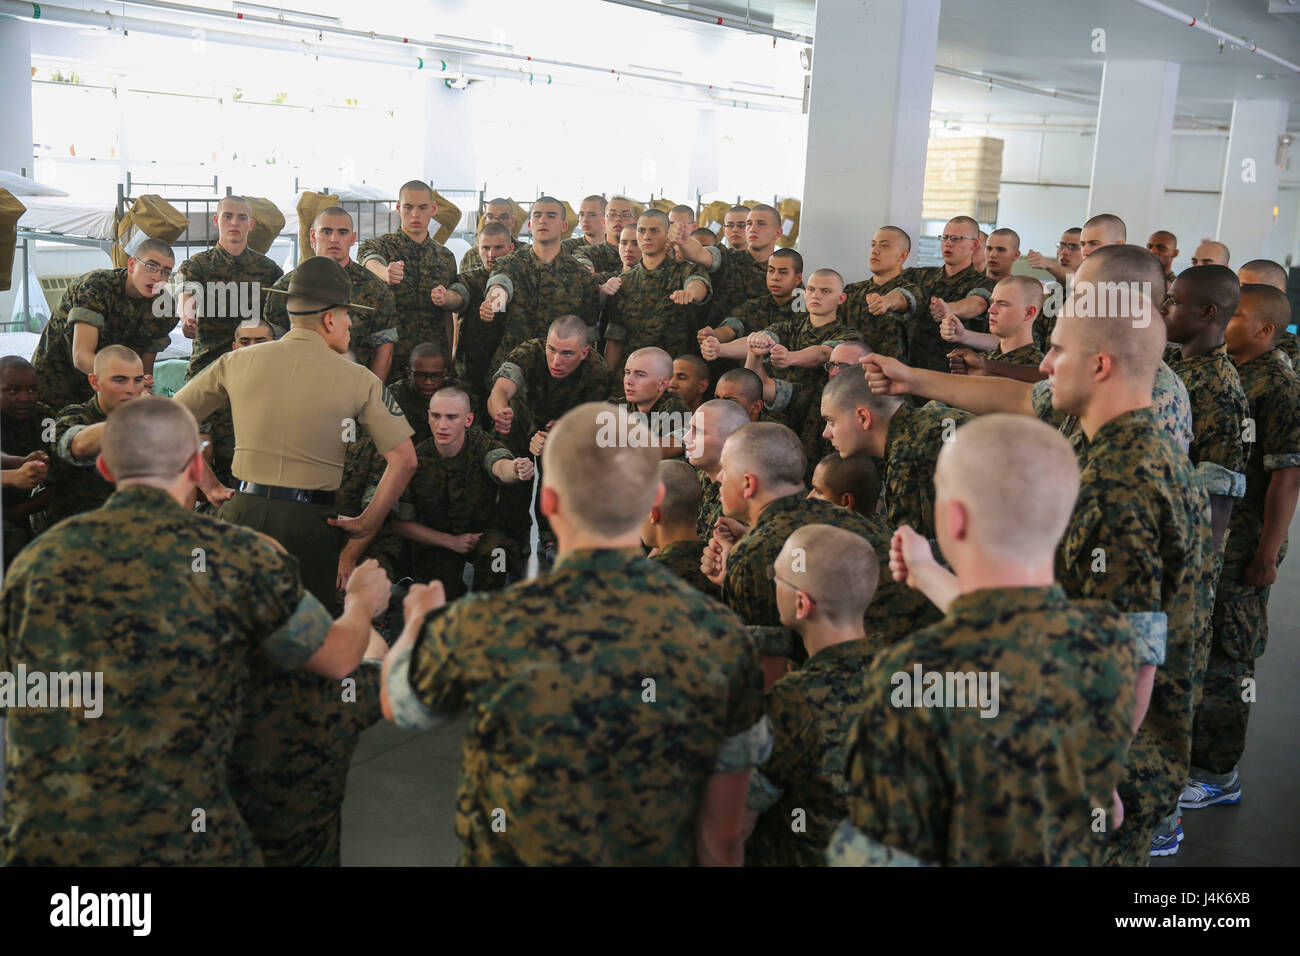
(851, 391)
(581, 466)
(654, 360)
(1210, 253)
(151, 437)
(1113, 310)
(749, 385)
(113, 353)
(682, 493)
(1263, 272)
(1017, 478)
(1111, 225)
(837, 568)
(770, 451)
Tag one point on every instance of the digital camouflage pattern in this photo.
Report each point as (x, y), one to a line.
(945, 785)
(478, 340)
(415, 407)
(1219, 414)
(797, 332)
(21, 437)
(542, 398)
(175, 645)
(894, 611)
(78, 486)
(1289, 345)
(99, 299)
(471, 260)
(1240, 623)
(885, 333)
(216, 334)
(812, 710)
(290, 762)
(912, 446)
(220, 429)
(641, 314)
(668, 417)
(457, 495)
(1140, 539)
(426, 265)
(539, 294)
(683, 559)
(570, 752)
(602, 256)
(1029, 355)
(362, 470)
(1169, 402)
(754, 315)
(710, 503)
(926, 348)
(370, 330)
(737, 277)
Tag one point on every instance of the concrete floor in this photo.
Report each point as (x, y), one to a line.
(401, 799)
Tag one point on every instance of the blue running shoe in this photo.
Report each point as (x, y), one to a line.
(1166, 844)
(1199, 794)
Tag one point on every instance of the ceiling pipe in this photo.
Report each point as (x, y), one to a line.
(1187, 20)
(444, 47)
(715, 19)
(1013, 85)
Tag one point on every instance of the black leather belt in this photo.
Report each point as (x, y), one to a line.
(287, 494)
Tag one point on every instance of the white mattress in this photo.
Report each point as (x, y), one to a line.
(69, 216)
(24, 344)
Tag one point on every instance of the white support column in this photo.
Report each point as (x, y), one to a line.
(1250, 179)
(866, 152)
(449, 156)
(16, 81)
(1130, 159)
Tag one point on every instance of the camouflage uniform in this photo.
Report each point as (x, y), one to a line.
(540, 294)
(674, 417)
(370, 330)
(415, 407)
(926, 348)
(216, 334)
(641, 314)
(1289, 345)
(710, 504)
(78, 484)
(573, 756)
(603, 257)
(912, 445)
(220, 429)
(1045, 321)
(99, 299)
(894, 611)
(541, 398)
(797, 332)
(118, 591)
(458, 495)
(683, 559)
(1140, 538)
(755, 315)
(1240, 625)
(1169, 402)
(886, 334)
(362, 470)
(1218, 416)
(21, 437)
(1029, 355)
(737, 278)
(478, 340)
(427, 265)
(945, 785)
(471, 260)
(813, 710)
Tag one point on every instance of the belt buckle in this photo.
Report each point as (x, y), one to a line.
(302, 495)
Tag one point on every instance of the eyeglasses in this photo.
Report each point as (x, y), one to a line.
(834, 367)
(154, 269)
(498, 217)
(629, 214)
(1072, 246)
(945, 238)
(429, 376)
(774, 577)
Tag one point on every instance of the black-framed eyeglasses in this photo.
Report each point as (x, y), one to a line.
(834, 367)
(1072, 246)
(946, 238)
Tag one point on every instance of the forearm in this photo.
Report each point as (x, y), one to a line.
(84, 359)
(1220, 512)
(391, 485)
(382, 363)
(1146, 678)
(499, 399)
(420, 534)
(146, 359)
(351, 553)
(937, 583)
(378, 270)
(737, 349)
(613, 354)
(982, 396)
(1279, 508)
(346, 643)
(895, 301)
(724, 333)
(88, 442)
(980, 341)
(811, 357)
(969, 307)
(754, 363)
(1018, 373)
(504, 470)
(454, 301)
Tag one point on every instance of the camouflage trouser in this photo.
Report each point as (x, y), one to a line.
(289, 769)
(1149, 791)
(1240, 637)
(494, 557)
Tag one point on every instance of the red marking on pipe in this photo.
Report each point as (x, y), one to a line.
(1193, 23)
(239, 16)
(718, 21)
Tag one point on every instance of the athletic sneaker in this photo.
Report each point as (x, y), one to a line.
(1199, 794)
(1166, 844)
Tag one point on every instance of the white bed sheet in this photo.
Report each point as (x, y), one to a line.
(70, 216)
